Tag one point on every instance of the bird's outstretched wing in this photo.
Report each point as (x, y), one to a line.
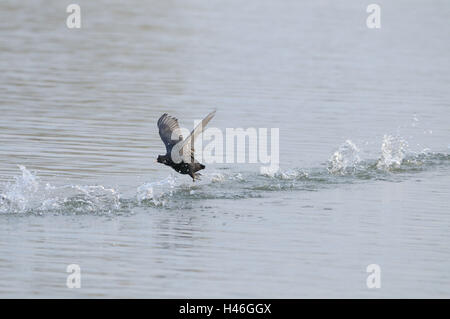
(168, 130)
(187, 146)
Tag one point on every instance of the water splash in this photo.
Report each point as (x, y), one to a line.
(393, 151)
(217, 178)
(20, 194)
(290, 174)
(27, 194)
(88, 198)
(269, 170)
(345, 159)
(156, 192)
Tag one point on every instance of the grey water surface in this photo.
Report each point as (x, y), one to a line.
(364, 140)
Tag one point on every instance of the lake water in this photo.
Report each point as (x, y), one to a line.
(363, 116)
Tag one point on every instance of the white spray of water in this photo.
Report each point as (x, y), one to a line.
(393, 151)
(345, 159)
(27, 194)
(156, 192)
(291, 174)
(217, 178)
(19, 195)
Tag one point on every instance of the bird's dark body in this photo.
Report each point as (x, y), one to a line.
(183, 168)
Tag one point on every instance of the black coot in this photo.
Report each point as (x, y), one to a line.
(180, 152)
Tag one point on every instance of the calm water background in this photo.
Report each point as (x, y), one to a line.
(78, 111)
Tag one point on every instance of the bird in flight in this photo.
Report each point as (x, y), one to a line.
(180, 152)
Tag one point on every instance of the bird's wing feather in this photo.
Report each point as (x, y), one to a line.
(167, 126)
(187, 146)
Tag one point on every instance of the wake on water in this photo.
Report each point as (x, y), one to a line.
(27, 194)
